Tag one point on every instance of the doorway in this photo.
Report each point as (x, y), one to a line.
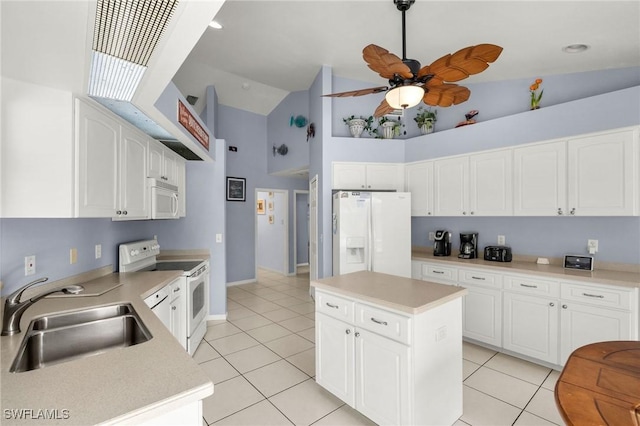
(300, 230)
(272, 230)
(313, 231)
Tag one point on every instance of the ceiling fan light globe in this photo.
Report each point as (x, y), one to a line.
(404, 96)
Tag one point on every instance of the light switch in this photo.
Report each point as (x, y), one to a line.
(218, 238)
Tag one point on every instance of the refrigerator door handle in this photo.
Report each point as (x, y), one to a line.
(370, 236)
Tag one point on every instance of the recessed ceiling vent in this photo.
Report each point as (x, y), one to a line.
(126, 33)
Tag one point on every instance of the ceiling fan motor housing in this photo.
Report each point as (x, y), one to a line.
(403, 5)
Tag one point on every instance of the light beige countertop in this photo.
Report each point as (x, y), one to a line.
(119, 386)
(623, 278)
(402, 294)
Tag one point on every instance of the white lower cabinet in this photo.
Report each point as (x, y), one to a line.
(178, 318)
(539, 318)
(394, 368)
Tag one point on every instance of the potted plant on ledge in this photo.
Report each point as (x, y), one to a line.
(426, 120)
(390, 128)
(358, 125)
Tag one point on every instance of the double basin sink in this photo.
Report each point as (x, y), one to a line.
(58, 338)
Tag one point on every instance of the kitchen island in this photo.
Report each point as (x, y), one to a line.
(154, 382)
(391, 347)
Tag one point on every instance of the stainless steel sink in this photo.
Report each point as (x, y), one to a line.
(54, 339)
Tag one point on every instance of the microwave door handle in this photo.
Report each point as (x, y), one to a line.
(174, 205)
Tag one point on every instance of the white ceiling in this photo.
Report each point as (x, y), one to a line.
(276, 47)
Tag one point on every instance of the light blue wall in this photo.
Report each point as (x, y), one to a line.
(270, 245)
(247, 131)
(279, 131)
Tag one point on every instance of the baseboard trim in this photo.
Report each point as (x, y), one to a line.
(217, 317)
(231, 284)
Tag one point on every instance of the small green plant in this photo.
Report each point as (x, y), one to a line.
(425, 115)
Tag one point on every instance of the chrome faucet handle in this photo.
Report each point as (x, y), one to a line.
(14, 297)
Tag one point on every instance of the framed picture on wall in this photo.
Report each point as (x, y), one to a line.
(236, 189)
(260, 207)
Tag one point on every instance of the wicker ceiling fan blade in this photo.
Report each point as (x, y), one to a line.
(383, 109)
(384, 63)
(446, 95)
(360, 92)
(486, 52)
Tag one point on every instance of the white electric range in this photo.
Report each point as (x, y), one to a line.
(142, 256)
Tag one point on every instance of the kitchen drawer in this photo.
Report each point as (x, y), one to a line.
(531, 285)
(334, 306)
(597, 295)
(383, 322)
(437, 273)
(479, 277)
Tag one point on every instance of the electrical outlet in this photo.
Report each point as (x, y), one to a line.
(432, 236)
(73, 256)
(501, 240)
(592, 246)
(29, 265)
(98, 251)
(218, 238)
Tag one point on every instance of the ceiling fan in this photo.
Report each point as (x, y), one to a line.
(409, 83)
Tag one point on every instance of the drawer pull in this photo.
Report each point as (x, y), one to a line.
(378, 321)
(347, 331)
(478, 278)
(438, 272)
(528, 285)
(332, 306)
(599, 296)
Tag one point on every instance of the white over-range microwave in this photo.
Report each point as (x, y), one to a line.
(164, 199)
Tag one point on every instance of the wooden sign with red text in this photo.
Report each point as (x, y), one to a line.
(190, 123)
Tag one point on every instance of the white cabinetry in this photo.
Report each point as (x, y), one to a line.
(163, 163)
(368, 176)
(540, 180)
(592, 313)
(603, 174)
(178, 306)
(594, 175)
(479, 184)
(381, 362)
(419, 182)
(111, 166)
(482, 307)
(530, 317)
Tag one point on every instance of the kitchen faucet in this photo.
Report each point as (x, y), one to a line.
(14, 308)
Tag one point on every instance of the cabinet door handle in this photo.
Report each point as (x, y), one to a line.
(599, 296)
(332, 306)
(438, 272)
(379, 321)
(118, 212)
(348, 331)
(174, 308)
(564, 306)
(528, 285)
(464, 213)
(478, 278)
(472, 213)
(573, 211)
(560, 212)
(175, 290)
(124, 212)
(552, 304)
(357, 334)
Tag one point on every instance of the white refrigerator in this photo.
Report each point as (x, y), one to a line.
(372, 232)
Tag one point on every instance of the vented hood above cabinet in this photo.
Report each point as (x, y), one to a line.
(52, 43)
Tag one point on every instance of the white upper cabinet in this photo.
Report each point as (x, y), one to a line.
(595, 175)
(163, 163)
(112, 158)
(491, 183)
(540, 180)
(474, 185)
(419, 182)
(368, 176)
(603, 174)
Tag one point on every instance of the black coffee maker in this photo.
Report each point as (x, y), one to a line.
(442, 243)
(468, 245)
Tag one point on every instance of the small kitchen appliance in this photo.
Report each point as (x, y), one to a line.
(142, 256)
(498, 253)
(575, 261)
(468, 245)
(442, 243)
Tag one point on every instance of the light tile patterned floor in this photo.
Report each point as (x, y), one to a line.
(262, 362)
